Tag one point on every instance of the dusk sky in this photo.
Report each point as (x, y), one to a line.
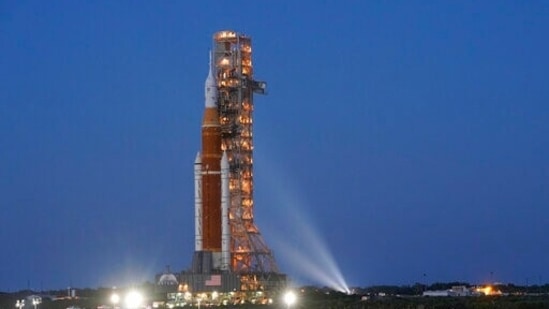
(410, 137)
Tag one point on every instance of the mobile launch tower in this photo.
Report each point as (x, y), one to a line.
(230, 253)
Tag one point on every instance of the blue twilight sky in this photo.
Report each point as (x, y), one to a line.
(410, 137)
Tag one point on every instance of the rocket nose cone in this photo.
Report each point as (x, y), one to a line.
(198, 159)
(210, 80)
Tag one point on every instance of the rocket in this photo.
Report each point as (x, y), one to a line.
(211, 175)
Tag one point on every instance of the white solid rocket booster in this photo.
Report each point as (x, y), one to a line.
(225, 197)
(198, 203)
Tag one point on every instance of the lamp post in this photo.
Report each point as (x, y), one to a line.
(35, 301)
(20, 303)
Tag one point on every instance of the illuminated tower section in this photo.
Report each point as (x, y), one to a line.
(235, 84)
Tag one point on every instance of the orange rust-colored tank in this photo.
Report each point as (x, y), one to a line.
(211, 180)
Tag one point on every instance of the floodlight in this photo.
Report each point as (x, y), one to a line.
(290, 298)
(133, 299)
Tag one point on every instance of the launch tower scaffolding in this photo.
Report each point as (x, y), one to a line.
(250, 256)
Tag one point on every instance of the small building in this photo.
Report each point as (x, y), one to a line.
(166, 282)
(455, 291)
(436, 293)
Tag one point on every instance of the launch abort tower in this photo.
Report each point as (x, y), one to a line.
(230, 252)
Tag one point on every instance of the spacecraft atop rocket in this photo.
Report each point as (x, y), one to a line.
(230, 253)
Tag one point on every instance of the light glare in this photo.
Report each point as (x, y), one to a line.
(115, 298)
(134, 299)
(290, 298)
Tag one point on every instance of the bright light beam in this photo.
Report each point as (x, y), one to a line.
(311, 258)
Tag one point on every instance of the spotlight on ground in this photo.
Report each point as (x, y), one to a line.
(133, 300)
(290, 298)
(115, 299)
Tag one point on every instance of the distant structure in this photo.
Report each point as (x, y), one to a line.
(167, 278)
(230, 253)
(459, 290)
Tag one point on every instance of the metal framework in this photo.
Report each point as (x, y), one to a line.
(234, 75)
